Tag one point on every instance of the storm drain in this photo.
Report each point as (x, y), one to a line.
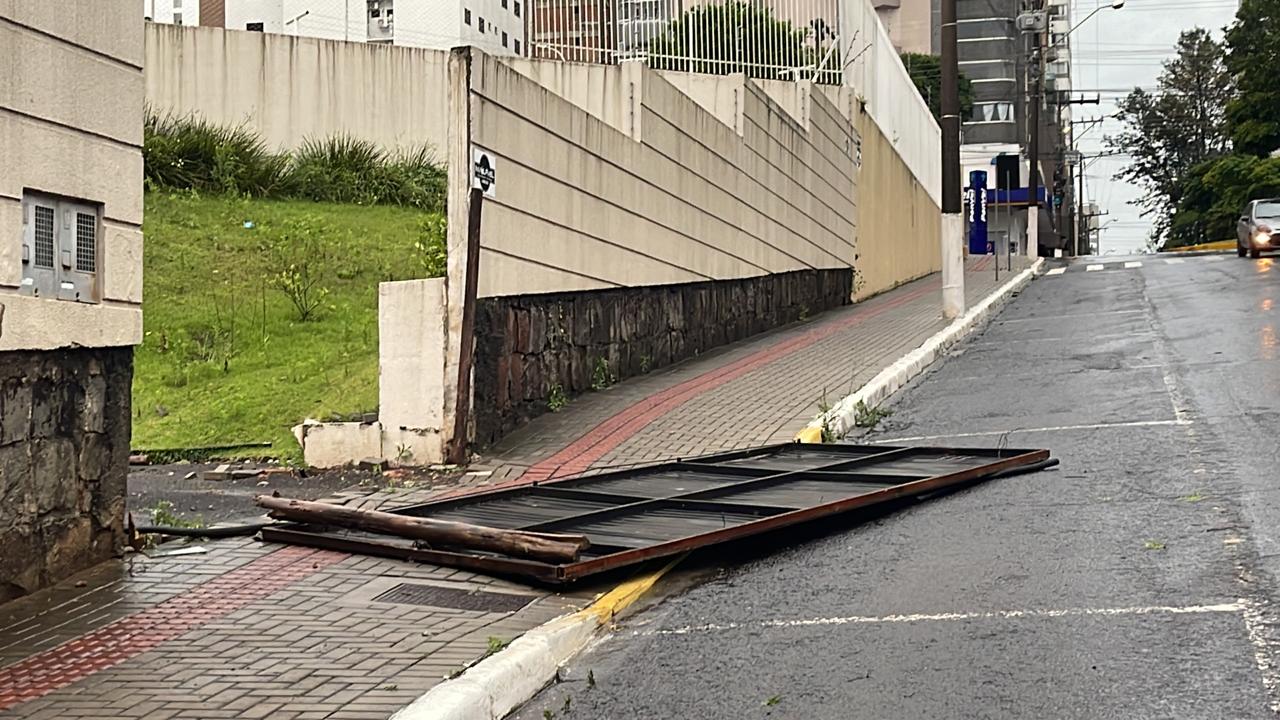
(455, 598)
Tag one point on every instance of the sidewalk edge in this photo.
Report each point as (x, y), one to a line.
(839, 420)
(500, 683)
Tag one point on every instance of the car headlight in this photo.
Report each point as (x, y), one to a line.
(1261, 238)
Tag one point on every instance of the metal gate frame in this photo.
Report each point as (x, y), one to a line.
(851, 466)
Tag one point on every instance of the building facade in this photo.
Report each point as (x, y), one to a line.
(495, 26)
(70, 281)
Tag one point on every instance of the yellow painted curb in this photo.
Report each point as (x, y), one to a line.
(1220, 245)
(810, 434)
(623, 596)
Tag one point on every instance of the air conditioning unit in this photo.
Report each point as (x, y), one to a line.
(1032, 22)
(1059, 27)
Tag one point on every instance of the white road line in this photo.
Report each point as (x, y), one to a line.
(1132, 264)
(995, 433)
(1091, 268)
(1215, 258)
(948, 617)
(1056, 271)
(1175, 261)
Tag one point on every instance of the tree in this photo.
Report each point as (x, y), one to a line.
(926, 73)
(1253, 58)
(740, 37)
(1174, 128)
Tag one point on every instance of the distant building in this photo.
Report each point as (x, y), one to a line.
(495, 26)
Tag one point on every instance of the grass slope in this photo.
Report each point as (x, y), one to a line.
(225, 359)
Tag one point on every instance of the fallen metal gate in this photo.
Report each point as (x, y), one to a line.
(665, 509)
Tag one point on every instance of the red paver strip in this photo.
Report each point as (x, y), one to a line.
(135, 634)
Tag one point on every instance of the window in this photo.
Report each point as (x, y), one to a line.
(504, 39)
(390, 13)
(482, 26)
(466, 16)
(375, 12)
(517, 47)
(177, 18)
(60, 240)
(517, 8)
(177, 4)
(253, 27)
(504, 4)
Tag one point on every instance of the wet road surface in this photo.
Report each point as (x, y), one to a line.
(1134, 581)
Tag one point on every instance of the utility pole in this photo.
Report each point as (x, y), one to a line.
(952, 219)
(1033, 177)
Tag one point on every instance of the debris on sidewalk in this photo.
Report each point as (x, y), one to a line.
(638, 514)
(516, 543)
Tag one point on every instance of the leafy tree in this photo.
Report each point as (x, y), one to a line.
(1253, 58)
(1214, 193)
(741, 37)
(1174, 128)
(926, 73)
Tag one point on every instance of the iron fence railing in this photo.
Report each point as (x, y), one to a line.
(768, 39)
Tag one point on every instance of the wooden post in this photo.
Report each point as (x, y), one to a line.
(457, 451)
(518, 543)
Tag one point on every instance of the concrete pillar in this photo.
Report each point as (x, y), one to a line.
(952, 265)
(1033, 231)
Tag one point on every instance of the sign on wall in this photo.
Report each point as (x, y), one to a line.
(484, 171)
(977, 193)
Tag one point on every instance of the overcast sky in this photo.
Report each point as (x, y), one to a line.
(1114, 52)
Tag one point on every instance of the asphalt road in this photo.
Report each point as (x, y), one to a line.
(1135, 581)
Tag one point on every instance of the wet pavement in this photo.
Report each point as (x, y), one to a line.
(1136, 580)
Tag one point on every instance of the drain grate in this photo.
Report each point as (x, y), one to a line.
(455, 598)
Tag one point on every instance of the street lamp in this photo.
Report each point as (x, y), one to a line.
(1114, 6)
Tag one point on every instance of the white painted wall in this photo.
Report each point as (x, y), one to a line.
(167, 11)
(878, 77)
(240, 13)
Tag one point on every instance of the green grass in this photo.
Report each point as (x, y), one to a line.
(225, 358)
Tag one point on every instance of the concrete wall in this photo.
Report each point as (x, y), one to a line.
(291, 88)
(681, 197)
(899, 236)
(70, 126)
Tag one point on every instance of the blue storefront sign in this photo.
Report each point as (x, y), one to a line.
(977, 192)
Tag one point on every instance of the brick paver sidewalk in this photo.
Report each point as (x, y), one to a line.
(247, 629)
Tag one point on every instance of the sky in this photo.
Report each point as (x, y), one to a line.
(1114, 52)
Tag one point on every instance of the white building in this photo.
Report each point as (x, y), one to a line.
(495, 26)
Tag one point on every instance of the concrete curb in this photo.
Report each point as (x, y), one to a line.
(840, 418)
(500, 683)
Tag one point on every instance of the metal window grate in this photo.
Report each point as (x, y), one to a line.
(44, 236)
(86, 242)
(456, 598)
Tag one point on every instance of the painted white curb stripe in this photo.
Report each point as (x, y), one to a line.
(1175, 261)
(1133, 264)
(840, 418)
(1056, 271)
(491, 689)
(1092, 268)
(947, 617)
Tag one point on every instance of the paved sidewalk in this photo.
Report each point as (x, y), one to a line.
(247, 629)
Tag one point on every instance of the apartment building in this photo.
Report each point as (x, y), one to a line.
(496, 26)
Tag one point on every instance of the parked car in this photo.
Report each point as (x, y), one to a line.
(1258, 228)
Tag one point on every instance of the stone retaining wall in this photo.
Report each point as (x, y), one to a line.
(64, 462)
(531, 348)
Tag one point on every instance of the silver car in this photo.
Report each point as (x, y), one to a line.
(1258, 228)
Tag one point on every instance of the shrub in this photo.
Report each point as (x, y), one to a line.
(186, 152)
(349, 170)
(431, 247)
(297, 262)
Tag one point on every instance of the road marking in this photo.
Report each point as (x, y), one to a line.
(1132, 264)
(1091, 268)
(1069, 316)
(1255, 626)
(1056, 271)
(1175, 261)
(1216, 258)
(1059, 428)
(1234, 607)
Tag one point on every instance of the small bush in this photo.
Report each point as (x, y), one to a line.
(186, 152)
(349, 170)
(298, 260)
(431, 247)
